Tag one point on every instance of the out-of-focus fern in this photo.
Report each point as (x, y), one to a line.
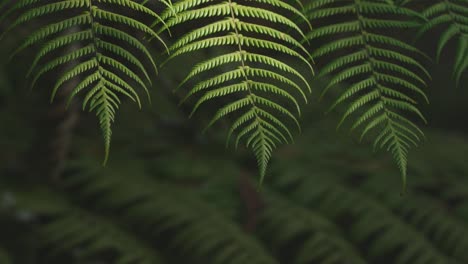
(90, 236)
(256, 81)
(384, 75)
(318, 239)
(99, 53)
(197, 231)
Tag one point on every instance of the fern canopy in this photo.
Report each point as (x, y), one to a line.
(265, 91)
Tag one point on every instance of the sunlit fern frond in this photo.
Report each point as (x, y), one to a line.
(318, 239)
(452, 15)
(262, 88)
(69, 228)
(96, 45)
(381, 75)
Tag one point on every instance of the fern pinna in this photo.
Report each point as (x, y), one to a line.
(453, 15)
(384, 78)
(253, 73)
(106, 60)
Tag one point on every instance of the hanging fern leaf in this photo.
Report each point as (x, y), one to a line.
(256, 82)
(102, 58)
(384, 77)
(453, 15)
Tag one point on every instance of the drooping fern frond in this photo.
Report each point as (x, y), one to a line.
(383, 75)
(95, 44)
(260, 85)
(453, 16)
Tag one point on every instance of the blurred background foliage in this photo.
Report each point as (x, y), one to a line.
(171, 194)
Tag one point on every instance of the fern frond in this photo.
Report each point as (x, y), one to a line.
(257, 92)
(384, 75)
(453, 16)
(97, 55)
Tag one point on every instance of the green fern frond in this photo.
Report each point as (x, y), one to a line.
(384, 78)
(453, 16)
(248, 32)
(95, 55)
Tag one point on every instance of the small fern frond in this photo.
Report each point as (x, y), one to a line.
(257, 92)
(384, 78)
(453, 15)
(103, 59)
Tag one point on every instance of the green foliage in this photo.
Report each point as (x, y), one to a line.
(383, 75)
(259, 95)
(453, 16)
(89, 41)
(126, 214)
(257, 61)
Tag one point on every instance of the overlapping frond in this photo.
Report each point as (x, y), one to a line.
(262, 89)
(381, 74)
(97, 47)
(452, 15)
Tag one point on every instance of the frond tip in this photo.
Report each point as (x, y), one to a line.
(262, 87)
